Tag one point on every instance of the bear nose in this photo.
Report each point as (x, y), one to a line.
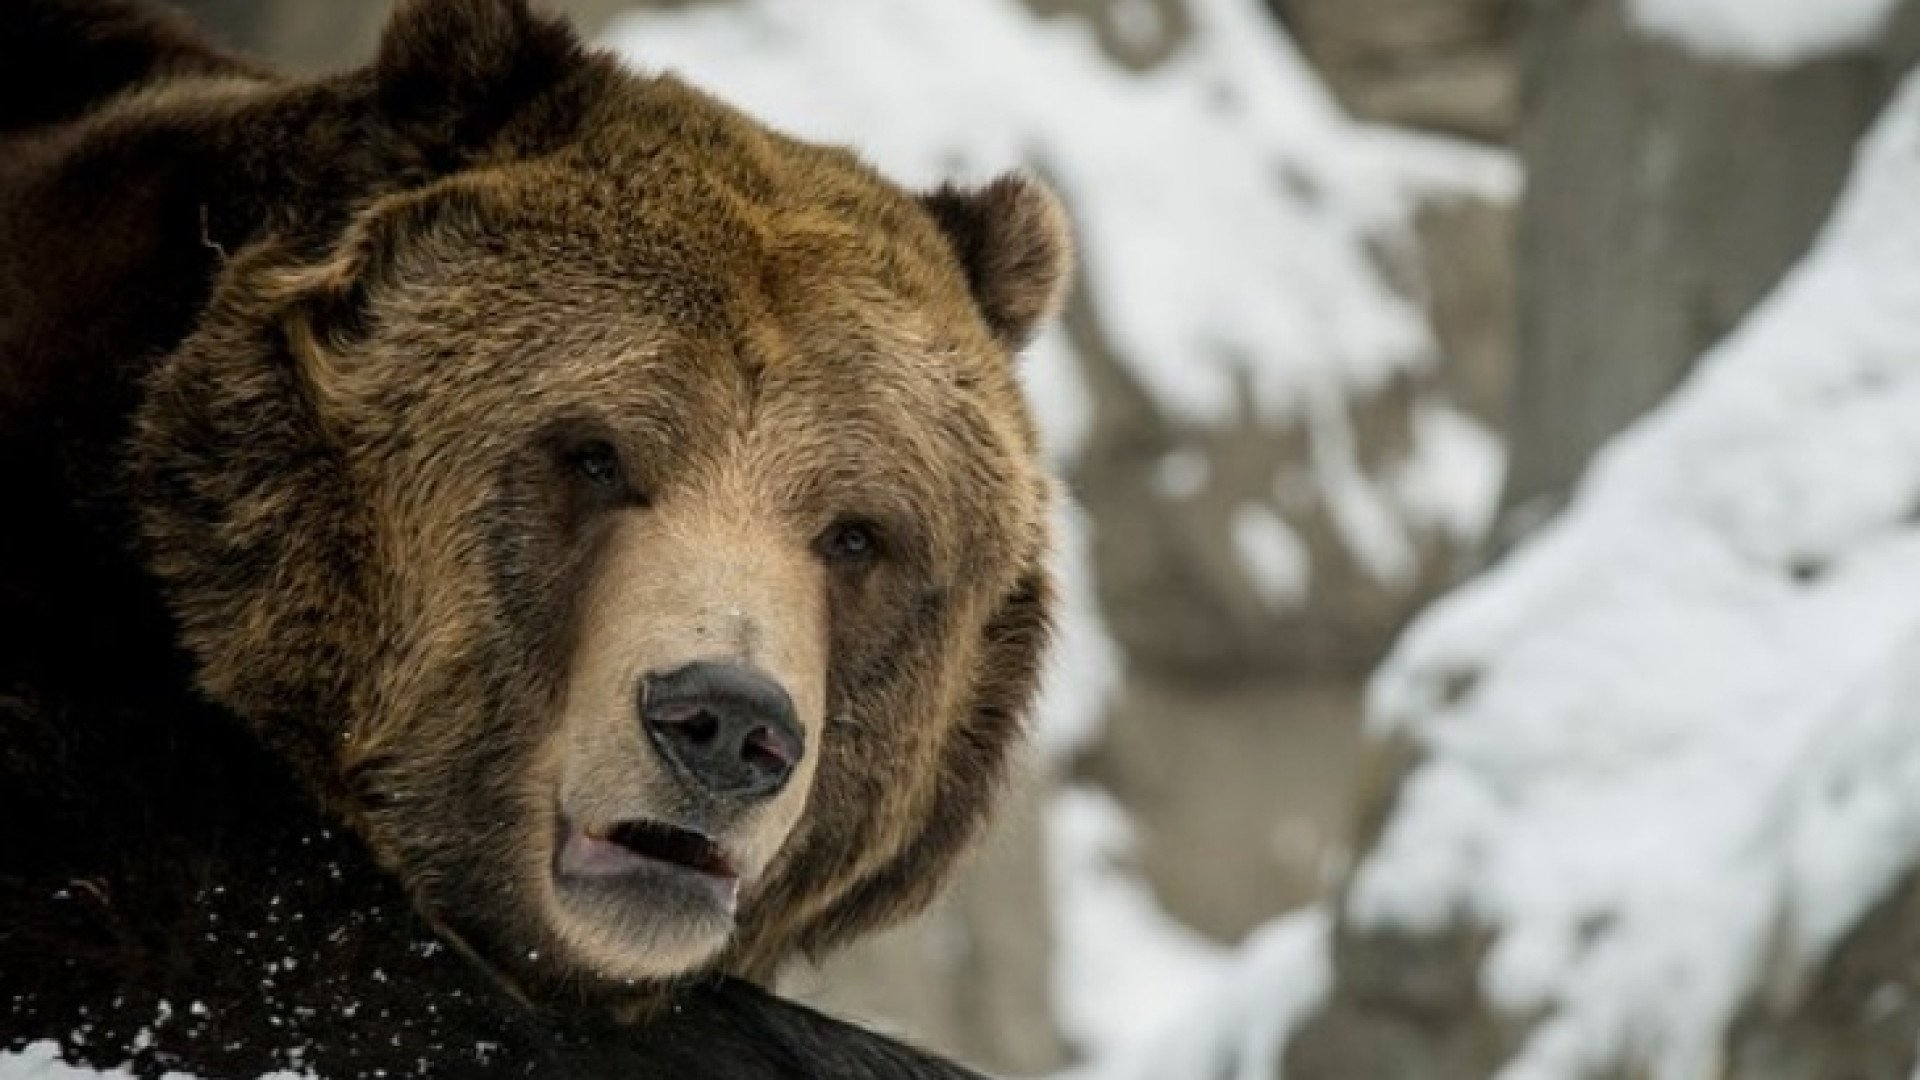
(728, 729)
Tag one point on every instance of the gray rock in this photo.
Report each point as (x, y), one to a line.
(1241, 793)
(1856, 1017)
(1445, 65)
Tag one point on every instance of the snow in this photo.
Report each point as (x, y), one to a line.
(1451, 481)
(1773, 33)
(41, 1061)
(1062, 404)
(1363, 511)
(1168, 1003)
(1083, 667)
(1104, 990)
(1181, 474)
(1674, 741)
(1274, 557)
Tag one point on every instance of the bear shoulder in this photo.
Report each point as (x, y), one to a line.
(62, 58)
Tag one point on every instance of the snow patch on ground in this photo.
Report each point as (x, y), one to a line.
(1111, 995)
(1675, 740)
(1773, 33)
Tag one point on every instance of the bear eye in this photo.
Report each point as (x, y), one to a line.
(598, 463)
(850, 543)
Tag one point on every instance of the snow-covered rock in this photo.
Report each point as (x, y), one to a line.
(1772, 33)
(1670, 749)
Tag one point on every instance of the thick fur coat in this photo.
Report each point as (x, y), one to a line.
(365, 442)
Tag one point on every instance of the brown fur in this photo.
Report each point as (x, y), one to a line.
(423, 283)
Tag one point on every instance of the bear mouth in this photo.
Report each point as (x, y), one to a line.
(642, 852)
(669, 844)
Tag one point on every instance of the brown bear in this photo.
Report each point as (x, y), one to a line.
(500, 553)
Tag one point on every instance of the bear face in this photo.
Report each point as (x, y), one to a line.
(632, 528)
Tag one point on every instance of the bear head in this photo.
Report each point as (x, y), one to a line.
(623, 516)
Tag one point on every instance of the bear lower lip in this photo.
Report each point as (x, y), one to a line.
(641, 853)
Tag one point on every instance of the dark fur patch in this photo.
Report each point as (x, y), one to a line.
(60, 58)
(451, 72)
(1012, 238)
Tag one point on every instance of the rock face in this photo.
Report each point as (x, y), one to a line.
(1666, 192)
(1168, 498)
(1249, 697)
(1240, 791)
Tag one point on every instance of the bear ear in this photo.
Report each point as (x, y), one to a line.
(451, 72)
(1014, 242)
(323, 309)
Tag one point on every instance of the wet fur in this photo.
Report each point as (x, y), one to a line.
(184, 804)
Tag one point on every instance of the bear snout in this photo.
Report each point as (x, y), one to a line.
(727, 731)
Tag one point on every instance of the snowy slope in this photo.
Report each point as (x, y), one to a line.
(1675, 740)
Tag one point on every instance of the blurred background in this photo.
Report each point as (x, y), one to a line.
(1382, 301)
